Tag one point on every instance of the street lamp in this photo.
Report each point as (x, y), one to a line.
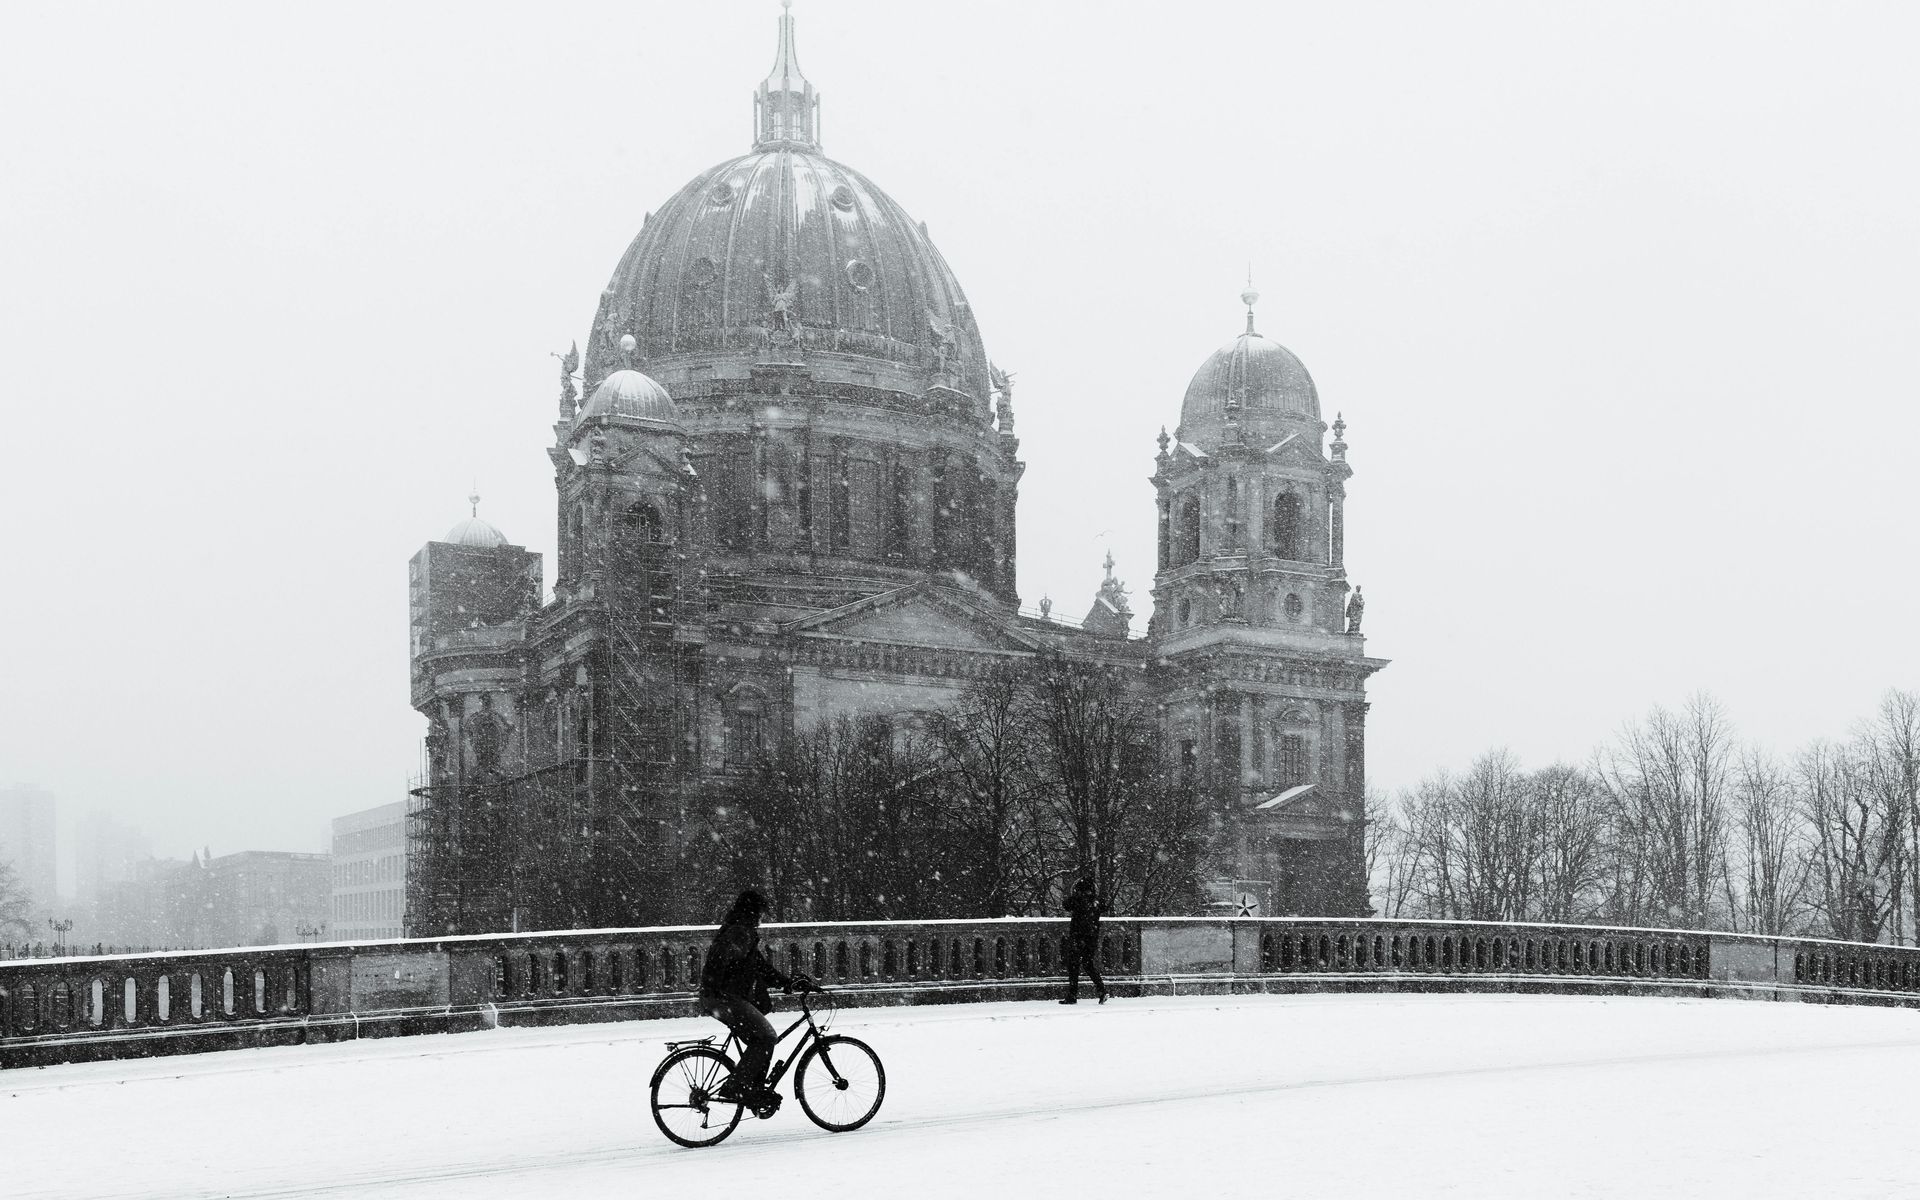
(304, 931)
(60, 929)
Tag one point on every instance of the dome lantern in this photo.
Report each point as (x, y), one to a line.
(786, 109)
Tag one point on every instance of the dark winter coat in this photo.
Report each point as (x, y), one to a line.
(1084, 910)
(736, 969)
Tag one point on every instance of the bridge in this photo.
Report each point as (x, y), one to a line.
(1336, 1058)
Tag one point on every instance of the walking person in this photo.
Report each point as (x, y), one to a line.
(1084, 910)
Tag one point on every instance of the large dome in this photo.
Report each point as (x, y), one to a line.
(785, 241)
(1258, 375)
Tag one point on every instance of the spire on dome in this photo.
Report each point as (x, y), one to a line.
(1249, 297)
(473, 498)
(786, 109)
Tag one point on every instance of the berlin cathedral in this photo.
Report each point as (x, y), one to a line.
(786, 476)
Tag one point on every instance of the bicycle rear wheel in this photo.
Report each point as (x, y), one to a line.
(684, 1104)
(840, 1083)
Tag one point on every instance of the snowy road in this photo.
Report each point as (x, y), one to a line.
(1323, 1096)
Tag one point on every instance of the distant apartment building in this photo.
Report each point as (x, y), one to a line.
(370, 874)
(252, 898)
(153, 908)
(106, 853)
(27, 841)
(264, 897)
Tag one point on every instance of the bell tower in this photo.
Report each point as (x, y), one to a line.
(1252, 614)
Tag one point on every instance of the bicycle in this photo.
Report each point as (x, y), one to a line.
(685, 1089)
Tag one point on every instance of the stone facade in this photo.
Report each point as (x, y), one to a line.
(789, 493)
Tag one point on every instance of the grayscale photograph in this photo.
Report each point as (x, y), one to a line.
(867, 599)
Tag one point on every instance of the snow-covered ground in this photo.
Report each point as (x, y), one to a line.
(1322, 1096)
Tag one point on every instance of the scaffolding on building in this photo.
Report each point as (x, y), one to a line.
(592, 841)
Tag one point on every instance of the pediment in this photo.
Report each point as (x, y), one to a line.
(1301, 800)
(916, 616)
(1296, 449)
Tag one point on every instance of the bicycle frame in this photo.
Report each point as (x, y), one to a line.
(778, 1069)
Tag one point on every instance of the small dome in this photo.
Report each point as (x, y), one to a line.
(1259, 374)
(628, 393)
(477, 533)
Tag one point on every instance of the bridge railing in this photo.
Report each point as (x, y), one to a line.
(54, 1010)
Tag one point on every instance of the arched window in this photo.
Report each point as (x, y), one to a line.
(1233, 516)
(1286, 527)
(641, 522)
(1295, 766)
(1189, 547)
(746, 727)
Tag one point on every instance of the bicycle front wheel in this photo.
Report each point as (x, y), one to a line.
(685, 1106)
(840, 1083)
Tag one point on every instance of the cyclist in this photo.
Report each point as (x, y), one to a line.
(1083, 941)
(733, 991)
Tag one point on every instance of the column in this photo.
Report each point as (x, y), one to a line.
(1336, 525)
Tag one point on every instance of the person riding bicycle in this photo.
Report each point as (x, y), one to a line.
(1084, 908)
(733, 991)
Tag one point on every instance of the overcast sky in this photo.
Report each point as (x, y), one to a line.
(1619, 302)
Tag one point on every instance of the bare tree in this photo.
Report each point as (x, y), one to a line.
(1098, 744)
(1666, 781)
(1569, 812)
(1392, 866)
(837, 823)
(1472, 842)
(775, 825)
(1000, 850)
(1891, 744)
(1772, 856)
(1853, 843)
(1161, 845)
(14, 903)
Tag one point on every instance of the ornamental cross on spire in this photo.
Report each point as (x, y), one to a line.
(786, 109)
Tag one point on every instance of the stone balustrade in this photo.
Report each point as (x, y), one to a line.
(67, 1009)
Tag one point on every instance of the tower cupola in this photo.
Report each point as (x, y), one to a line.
(786, 109)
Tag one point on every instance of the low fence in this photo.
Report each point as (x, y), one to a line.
(117, 1006)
